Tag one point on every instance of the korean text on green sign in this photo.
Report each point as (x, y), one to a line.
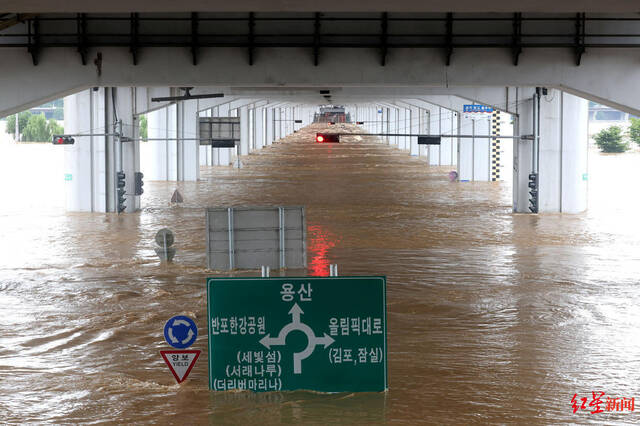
(318, 333)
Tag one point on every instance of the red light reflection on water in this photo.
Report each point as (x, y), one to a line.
(320, 241)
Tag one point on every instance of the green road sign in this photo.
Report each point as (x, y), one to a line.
(325, 334)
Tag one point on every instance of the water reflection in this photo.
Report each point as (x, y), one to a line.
(319, 244)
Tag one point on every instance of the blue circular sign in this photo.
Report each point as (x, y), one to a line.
(180, 332)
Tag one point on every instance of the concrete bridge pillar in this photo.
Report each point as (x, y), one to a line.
(402, 128)
(474, 152)
(92, 162)
(563, 154)
(270, 125)
(395, 126)
(175, 154)
(245, 131)
(414, 126)
(260, 127)
(224, 155)
(188, 148)
(85, 162)
(423, 129)
(205, 150)
(435, 128)
(448, 146)
(158, 149)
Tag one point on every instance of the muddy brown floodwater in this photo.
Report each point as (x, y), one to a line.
(492, 317)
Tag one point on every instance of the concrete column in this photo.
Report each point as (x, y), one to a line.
(86, 161)
(423, 130)
(435, 129)
(245, 131)
(414, 127)
(259, 127)
(92, 162)
(287, 121)
(130, 150)
(475, 152)
(395, 126)
(171, 126)
(225, 154)
(465, 150)
(386, 119)
(277, 124)
(402, 121)
(446, 151)
(205, 150)
(563, 154)
(270, 126)
(482, 150)
(157, 150)
(188, 148)
(215, 152)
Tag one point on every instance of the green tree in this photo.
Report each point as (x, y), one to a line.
(36, 129)
(53, 128)
(143, 127)
(634, 130)
(23, 119)
(610, 140)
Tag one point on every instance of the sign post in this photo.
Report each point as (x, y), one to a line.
(180, 332)
(325, 334)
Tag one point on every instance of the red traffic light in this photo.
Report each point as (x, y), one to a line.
(327, 138)
(63, 140)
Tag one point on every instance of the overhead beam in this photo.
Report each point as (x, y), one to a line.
(409, 6)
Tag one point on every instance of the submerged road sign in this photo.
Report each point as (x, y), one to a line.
(318, 333)
(180, 362)
(180, 331)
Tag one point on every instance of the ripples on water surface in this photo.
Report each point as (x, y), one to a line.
(493, 317)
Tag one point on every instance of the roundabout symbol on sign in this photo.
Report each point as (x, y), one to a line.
(180, 332)
(295, 324)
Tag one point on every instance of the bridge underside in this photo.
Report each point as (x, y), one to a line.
(47, 56)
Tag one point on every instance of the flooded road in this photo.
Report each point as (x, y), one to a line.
(492, 317)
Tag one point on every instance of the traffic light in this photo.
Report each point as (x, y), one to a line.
(533, 192)
(138, 183)
(327, 138)
(63, 140)
(121, 191)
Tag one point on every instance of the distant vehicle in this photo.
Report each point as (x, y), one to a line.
(331, 114)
